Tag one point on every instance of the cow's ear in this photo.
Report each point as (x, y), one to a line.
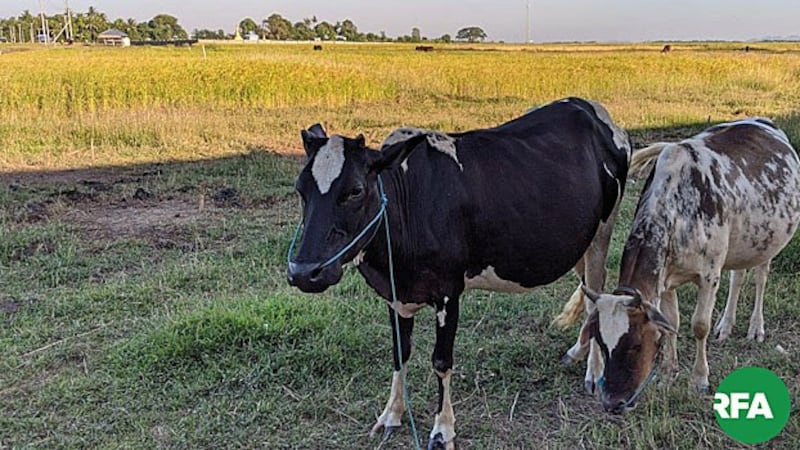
(589, 329)
(658, 319)
(316, 130)
(393, 155)
(313, 139)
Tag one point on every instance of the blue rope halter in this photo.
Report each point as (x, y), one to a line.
(340, 253)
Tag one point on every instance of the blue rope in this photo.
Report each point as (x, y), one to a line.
(340, 253)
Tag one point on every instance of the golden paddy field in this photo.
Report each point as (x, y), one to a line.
(83, 106)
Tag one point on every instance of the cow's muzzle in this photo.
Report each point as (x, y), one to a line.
(313, 277)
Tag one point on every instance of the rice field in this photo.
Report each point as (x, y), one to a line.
(117, 106)
(147, 202)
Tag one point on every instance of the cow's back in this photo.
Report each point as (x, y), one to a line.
(728, 196)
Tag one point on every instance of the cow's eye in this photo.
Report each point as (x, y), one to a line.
(353, 194)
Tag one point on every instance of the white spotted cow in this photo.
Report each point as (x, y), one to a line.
(507, 208)
(726, 199)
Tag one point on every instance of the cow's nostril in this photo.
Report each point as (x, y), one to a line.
(315, 273)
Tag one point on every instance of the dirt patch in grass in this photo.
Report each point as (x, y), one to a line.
(160, 221)
(8, 306)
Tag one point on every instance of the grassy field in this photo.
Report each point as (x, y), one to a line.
(146, 204)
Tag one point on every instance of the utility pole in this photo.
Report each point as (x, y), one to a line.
(527, 21)
(44, 23)
(68, 18)
(19, 32)
(33, 39)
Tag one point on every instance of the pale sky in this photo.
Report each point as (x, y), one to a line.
(550, 20)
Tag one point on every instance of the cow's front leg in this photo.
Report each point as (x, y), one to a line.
(669, 307)
(701, 325)
(443, 433)
(392, 415)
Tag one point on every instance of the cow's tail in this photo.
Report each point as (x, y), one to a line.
(643, 159)
(572, 311)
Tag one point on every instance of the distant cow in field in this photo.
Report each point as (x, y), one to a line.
(726, 199)
(424, 48)
(317, 48)
(504, 209)
(667, 48)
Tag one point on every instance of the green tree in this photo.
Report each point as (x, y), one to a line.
(325, 31)
(471, 34)
(446, 38)
(277, 27)
(209, 34)
(303, 32)
(96, 23)
(165, 27)
(132, 29)
(349, 30)
(247, 26)
(25, 20)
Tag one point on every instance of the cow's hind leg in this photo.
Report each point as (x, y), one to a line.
(390, 419)
(592, 269)
(728, 319)
(756, 330)
(443, 433)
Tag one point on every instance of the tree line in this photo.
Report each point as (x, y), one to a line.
(88, 25)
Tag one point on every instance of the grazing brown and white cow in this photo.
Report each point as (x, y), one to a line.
(505, 209)
(728, 198)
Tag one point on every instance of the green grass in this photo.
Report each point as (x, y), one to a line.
(119, 341)
(145, 306)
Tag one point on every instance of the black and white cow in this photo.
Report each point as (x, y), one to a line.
(507, 208)
(726, 199)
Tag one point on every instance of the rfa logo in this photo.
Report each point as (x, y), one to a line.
(729, 406)
(749, 415)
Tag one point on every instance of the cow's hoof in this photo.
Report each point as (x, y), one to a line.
(723, 334)
(722, 330)
(437, 443)
(589, 386)
(566, 360)
(702, 388)
(388, 431)
(755, 335)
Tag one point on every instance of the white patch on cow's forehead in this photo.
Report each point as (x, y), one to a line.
(614, 322)
(490, 281)
(437, 140)
(328, 163)
(620, 135)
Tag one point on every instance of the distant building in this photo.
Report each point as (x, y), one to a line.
(237, 36)
(252, 36)
(114, 37)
